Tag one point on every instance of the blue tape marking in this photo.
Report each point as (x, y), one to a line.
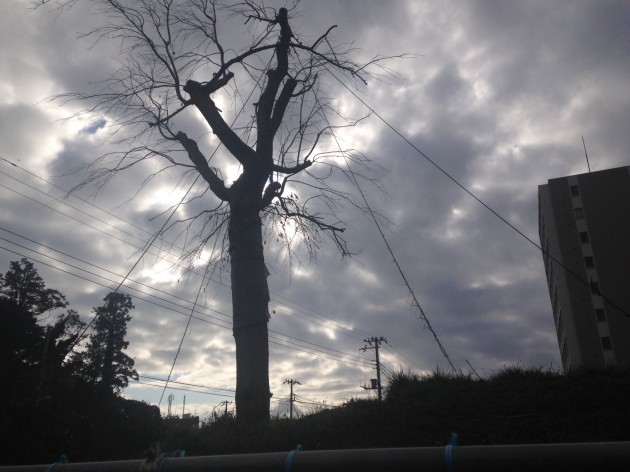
(288, 462)
(176, 453)
(159, 469)
(62, 460)
(448, 453)
(448, 457)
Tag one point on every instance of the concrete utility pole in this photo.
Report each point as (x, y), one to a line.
(291, 382)
(374, 343)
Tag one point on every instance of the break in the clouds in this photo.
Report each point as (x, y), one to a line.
(497, 94)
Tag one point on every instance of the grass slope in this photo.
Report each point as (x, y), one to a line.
(513, 406)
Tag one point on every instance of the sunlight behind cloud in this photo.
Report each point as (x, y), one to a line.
(160, 198)
(301, 272)
(491, 281)
(328, 332)
(364, 276)
(231, 172)
(162, 272)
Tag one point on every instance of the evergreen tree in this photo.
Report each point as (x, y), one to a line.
(23, 286)
(23, 297)
(20, 336)
(66, 332)
(49, 401)
(37, 394)
(105, 363)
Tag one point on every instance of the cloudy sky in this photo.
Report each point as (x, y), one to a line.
(498, 94)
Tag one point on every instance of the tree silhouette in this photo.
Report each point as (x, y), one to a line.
(23, 286)
(67, 331)
(104, 362)
(176, 68)
(23, 298)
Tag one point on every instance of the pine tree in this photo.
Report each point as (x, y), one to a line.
(105, 364)
(23, 286)
(23, 297)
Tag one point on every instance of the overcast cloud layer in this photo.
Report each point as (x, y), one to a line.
(498, 94)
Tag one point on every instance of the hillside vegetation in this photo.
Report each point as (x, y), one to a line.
(513, 406)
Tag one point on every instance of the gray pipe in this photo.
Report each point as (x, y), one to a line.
(591, 457)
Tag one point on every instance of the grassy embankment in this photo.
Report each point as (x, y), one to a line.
(513, 406)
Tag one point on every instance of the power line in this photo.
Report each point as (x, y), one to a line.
(336, 325)
(389, 249)
(486, 206)
(397, 354)
(279, 341)
(179, 348)
(188, 384)
(145, 285)
(106, 279)
(58, 200)
(98, 267)
(66, 192)
(185, 389)
(108, 286)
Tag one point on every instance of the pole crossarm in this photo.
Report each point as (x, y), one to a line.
(291, 382)
(576, 457)
(374, 343)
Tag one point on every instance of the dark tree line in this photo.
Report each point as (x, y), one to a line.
(60, 381)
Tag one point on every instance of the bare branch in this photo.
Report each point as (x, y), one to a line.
(291, 170)
(241, 151)
(176, 62)
(216, 184)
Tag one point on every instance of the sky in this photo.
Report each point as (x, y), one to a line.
(497, 94)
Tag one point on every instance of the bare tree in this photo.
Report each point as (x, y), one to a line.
(177, 63)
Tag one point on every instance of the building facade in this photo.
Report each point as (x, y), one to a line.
(584, 228)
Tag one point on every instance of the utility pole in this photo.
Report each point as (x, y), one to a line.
(42, 377)
(226, 403)
(171, 397)
(291, 382)
(374, 343)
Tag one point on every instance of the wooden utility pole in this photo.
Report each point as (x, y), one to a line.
(226, 403)
(291, 382)
(374, 343)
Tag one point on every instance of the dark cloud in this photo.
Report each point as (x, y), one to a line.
(21, 125)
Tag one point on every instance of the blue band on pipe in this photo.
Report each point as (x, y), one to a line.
(176, 453)
(448, 458)
(62, 460)
(159, 469)
(288, 462)
(448, 453)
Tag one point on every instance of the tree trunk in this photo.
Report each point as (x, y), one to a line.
(107, 369)
(250, 302)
